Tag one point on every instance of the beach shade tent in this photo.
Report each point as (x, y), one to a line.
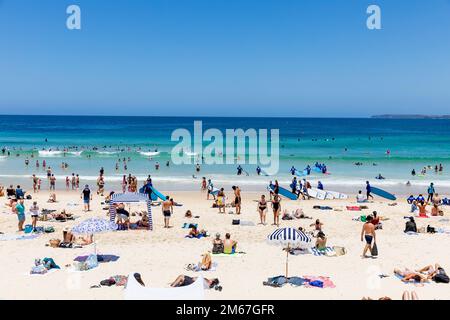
(130, 198)
(134, 291)
(94, 226)
(290, 238)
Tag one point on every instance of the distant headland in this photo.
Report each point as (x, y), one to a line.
(410, 116)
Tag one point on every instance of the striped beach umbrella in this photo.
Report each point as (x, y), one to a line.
(290, 238)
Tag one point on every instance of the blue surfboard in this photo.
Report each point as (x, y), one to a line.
(301, 173)
(383, 194)
(284, 192)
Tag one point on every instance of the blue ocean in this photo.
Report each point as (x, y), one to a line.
(390, 147)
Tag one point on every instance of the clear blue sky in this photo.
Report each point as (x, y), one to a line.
(225, 57)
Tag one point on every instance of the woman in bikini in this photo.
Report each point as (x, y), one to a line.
(276, 206)
(262, 209)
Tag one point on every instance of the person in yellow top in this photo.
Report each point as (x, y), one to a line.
(229, 246)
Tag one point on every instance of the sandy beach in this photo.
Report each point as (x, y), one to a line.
(161, 255)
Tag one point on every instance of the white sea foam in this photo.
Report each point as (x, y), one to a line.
(149, 154)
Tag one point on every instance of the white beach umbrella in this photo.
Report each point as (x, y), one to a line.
(290, 238)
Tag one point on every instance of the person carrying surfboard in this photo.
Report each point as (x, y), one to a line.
(368, 190)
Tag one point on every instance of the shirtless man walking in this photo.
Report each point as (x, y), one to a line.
(167, 210)
(368, 234)
(238, 199)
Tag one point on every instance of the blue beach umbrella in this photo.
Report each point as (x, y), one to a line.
(94, 226)
(290, 238)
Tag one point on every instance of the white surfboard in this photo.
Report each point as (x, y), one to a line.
(317, 194)
(336, 195)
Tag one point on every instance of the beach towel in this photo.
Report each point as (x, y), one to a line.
(324, 252)
(196, 237)
(134, 291)
(101, 258)
(247, 224)
(280, 281)
(319, 282)
(237, 254)
(12, 237)
(354, 208)
(189, 226)
(42, 274)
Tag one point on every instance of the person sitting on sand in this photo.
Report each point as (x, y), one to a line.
(317, 225)
(229, 246)
(52, 198)
(411, 276)
(123, 216)
(195, 233)
(217, 245)
(11, 192)
(321, 242)
(435, 211)
(437, 200)
(68, 236)
(410, 225)
(143, 222)
(411, 199)
(422, 208)
(183, 281)
(360, 198)
(414, 207)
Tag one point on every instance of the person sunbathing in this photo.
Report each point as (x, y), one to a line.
(85, 241)
(435, 273)
(299, 214)
(203, 265)
(183, 281)
(321, 242)
(195, 233)
(411, 276)
(143, 223)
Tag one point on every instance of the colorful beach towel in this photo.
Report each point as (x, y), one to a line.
(322, 252)
(319, 282)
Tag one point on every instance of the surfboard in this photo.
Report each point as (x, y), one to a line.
(317, 194)
(301, 173)
(383, 194)
(336, 195)
(284, 192)
(156, 194)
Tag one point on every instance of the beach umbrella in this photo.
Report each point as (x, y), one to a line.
(290, 238)
(94, 226)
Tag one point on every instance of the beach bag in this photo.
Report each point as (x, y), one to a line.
(49, 229)
(374, 250)
(28, 228)
(40, 269)
(441, 278)
(236, 222)
(340, 251)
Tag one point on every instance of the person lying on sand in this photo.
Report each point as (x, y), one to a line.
(435, 273)
(411, 276)
(203, 265)
(299, 214)
(195, 233)
(119, 281)
(183, 281)
(406, 296)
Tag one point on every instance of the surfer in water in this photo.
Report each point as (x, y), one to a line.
(293, 170)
